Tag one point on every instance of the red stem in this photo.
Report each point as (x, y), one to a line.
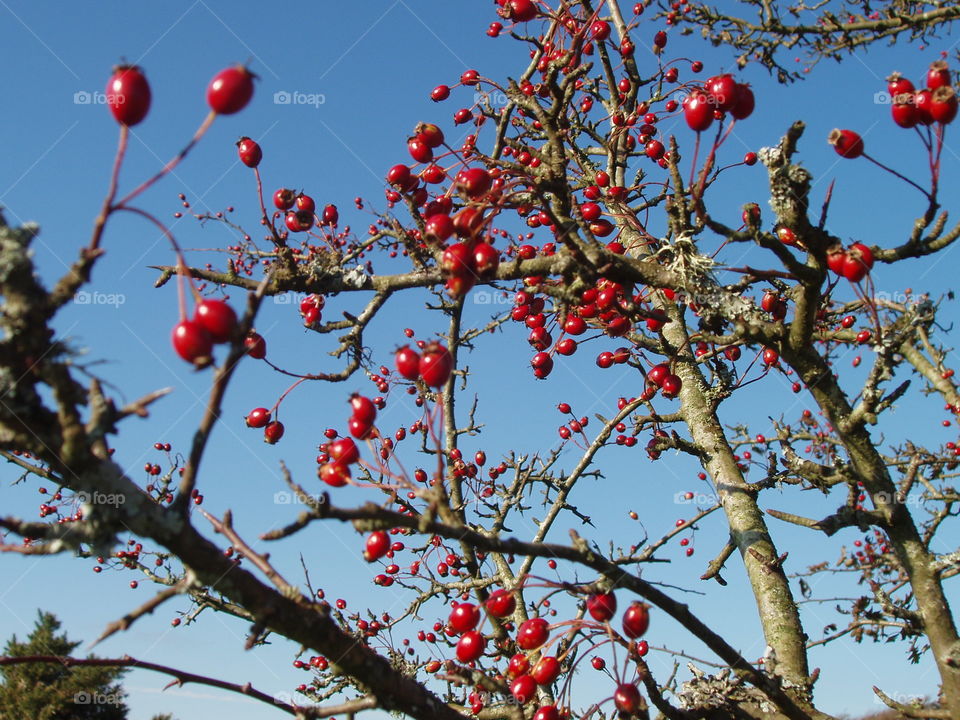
(173, 162)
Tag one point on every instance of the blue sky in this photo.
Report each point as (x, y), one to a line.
(360, 75)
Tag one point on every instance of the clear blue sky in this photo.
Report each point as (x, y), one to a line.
(372, 64)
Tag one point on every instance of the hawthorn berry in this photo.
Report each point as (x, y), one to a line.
(273, 432)
(217, 318)
(192, 342)
(377, 545)
(697, 110)
(627, 698)
(501, 603)
(847, 143)
(258, 417)
(128, 95)
(533, 633)
(256, 346)
(230, 90)
(464, 617)
(436, 364)
(636, 620)
(523, 688)
(546, 670)
(470, 646)
(602, 606)
(249, 152)
(408, 362)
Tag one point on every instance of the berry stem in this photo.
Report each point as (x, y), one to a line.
(107, 208)
(895, 173)
(173, 162)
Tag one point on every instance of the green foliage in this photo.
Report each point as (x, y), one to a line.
(52, 691)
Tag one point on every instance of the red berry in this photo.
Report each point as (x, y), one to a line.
(723, 91)
(922, 100)
(334, 474)
(627, 698)
(518, 10)
(599, 31)
(518, 665)
(256, 346)
(636, 620)
(745, 104)
(330, 216)
(532, 634)
(542, 365)
(192, 342)
(305, 204)
(943, 105)
(486, 260)
(258, 417)
(363, 409)
(847, 143)
(904, 110)
(377, 545)
(471, 646)
(439, 93)
(547, 712)
(546, 670)
(464, 617)
(408, 362)
(436, 364)
(897, 85)
(671, 386)
(697, 111)
(438, 227)
(344, 451)
(128, 95)
(430, 134)
(230, 90)
(217, 318)
(938, 75)
(419, 150)
(602, 606)
(857, 263)
(273, 432)
(475, 181)
(501, 603)
(298, 221)
(284, 198)
(523, 688)
(249, 152)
